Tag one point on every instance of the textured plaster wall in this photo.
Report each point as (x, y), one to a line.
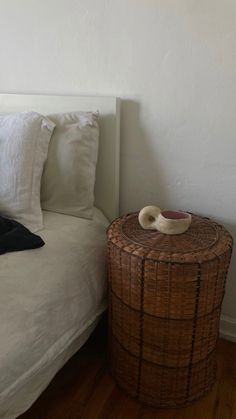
(174, 65)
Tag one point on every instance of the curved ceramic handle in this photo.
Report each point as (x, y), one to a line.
(148, 217)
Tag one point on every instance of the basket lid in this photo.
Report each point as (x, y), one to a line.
(203, 241)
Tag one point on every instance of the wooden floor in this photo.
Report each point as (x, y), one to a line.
(84, 389)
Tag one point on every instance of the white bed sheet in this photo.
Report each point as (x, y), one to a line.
(50, 301)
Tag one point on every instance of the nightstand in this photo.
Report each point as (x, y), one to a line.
(165, 295)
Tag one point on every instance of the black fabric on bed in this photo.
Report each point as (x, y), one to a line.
(14, 236)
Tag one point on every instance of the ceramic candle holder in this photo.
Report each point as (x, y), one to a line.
(165, 221)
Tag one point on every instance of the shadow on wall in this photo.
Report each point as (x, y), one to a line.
(229, 299)
(140, 167)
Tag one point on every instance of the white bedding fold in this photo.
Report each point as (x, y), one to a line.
(48, 298)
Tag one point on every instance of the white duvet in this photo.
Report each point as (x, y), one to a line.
(50, 300)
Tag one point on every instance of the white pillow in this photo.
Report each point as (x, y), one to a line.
(24, 140)
(69, 174)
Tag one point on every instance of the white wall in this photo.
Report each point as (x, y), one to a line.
(173, 63)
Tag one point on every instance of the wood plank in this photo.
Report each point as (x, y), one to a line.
(84, 389)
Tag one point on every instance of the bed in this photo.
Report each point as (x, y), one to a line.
(52, 298)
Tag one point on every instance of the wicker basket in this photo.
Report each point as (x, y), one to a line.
(165, 299)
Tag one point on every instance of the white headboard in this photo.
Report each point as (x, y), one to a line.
(107, 177)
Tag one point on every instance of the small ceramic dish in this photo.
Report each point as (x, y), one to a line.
(165, 221)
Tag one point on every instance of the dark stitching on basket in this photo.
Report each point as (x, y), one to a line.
(161, 365)
(141, 327)
(168, 261)
(166, 318)
(194, 331)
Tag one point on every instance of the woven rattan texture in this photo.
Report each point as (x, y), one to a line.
(164, 308)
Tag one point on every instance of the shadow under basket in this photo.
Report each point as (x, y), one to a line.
(165, 295)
